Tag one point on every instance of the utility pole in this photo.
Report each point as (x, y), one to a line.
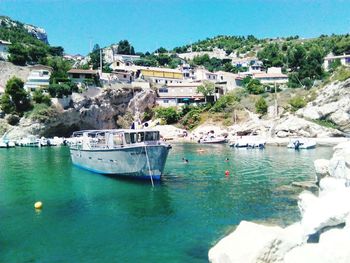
(276, 106)
(101, 61)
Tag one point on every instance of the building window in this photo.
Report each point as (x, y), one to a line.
(75, 76)
(165, 101)
(163, 90)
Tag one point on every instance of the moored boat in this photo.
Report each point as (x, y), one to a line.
(249, 143)
(301, 143)
(133, 153)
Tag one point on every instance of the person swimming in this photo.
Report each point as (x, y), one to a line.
(185, 160)
(227, 159)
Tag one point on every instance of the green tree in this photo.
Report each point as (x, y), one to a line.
(39, 97)
(19, 97)
(261, 105)
(169, 114)
(207, 89)
(18, 54)
(253, 86)
(124, 47)
(6, 103)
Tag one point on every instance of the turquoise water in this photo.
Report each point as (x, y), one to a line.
(93, 218)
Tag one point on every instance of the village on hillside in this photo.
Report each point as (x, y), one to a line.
(175, 87)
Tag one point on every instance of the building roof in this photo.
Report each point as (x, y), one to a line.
(5, 42)
(39, 66)
(269, 75)
(161, 69)
(82, 71)
(184, 84)
(331, 56)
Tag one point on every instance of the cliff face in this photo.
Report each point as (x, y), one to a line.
(35, 31)
(108, 109)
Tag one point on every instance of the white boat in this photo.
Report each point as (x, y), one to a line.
(249, 143)
(133, 153)
(32, 141)
(7, 144)
(301, 143)
(212, 139)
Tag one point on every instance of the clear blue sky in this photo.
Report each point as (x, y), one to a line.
(149, 24)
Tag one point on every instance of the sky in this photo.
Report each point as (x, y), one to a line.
(77, 25)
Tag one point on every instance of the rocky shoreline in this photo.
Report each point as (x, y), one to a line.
(322, 234)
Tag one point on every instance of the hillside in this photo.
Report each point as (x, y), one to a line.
(29, 43)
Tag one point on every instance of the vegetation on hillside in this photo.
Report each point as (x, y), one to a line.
(25, 48)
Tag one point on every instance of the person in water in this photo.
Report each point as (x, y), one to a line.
(185, 160)
(227, 159)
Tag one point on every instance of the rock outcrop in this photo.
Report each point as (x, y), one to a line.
(322, 235)
(35, 31)
(332, 104)
(88, 112)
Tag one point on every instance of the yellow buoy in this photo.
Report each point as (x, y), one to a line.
(38, 205)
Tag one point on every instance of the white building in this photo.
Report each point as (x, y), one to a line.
(272, 76)
(344, 60)
(227, 81)
(39, 77)
(83, 75)
(179, 94)
(4, 47)
(201, 74)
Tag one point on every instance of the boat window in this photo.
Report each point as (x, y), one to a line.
(140, 136)
(133, 137)
(152, 136)
(127, 138)
(118, 139)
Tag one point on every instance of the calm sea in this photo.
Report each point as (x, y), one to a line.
(93, 218)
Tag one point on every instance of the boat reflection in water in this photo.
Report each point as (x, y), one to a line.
(132, 153)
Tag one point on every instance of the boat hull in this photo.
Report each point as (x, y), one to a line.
(128, 161)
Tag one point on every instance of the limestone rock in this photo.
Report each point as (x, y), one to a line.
(332, 103)
(245, 244)
(321, 169)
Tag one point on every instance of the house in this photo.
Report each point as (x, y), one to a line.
(201, 74)
(330, 58)
(39, 77)
(83, 75)
(160, 75)
(272, 76)
(227, 81)
(4, 47)
(178, 94)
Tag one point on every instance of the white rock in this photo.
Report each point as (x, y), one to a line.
(245, 244)
(330, 185)
(321, 168)
(332, 247)
(328, 210)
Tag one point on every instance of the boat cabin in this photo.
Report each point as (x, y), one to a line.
(110, 139)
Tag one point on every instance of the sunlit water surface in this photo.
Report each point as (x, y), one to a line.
(93, 218)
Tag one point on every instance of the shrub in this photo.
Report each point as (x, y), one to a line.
(169, 114)
(39, 97)
(42, 112)
(13, 119)
(297, 103)
(224, 103)
(261, 105)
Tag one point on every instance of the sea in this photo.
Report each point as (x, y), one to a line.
(87, 217)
